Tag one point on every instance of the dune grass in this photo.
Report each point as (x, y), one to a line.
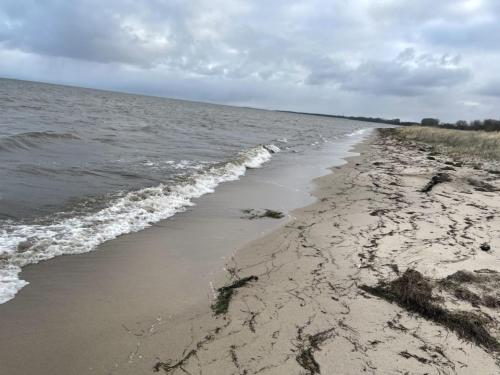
(460, 144)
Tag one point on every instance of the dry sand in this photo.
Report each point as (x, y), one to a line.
(306, 313)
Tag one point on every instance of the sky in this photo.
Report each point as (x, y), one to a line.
(388, 58)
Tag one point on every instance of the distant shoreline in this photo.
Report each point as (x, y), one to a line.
(356, 118)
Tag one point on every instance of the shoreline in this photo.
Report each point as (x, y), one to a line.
(307, 312)
(122, 302)
(304, 310)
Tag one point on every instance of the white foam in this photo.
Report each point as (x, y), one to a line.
(188, 164)
(182, 164)
(360, 132)
(273, 148)
(135, 211)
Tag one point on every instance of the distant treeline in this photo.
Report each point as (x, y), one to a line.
(395, 121)
(488, 125)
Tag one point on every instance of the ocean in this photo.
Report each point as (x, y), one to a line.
(79, 167)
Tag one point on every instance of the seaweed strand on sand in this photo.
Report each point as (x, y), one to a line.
(413, 292)
(225, 293)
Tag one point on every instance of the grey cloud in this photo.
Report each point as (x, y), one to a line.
(453, 24)
(459, 34)
(412, 12)
(408, 74)
(101, 31)
(326, 70)
(491, 89)
(229, 38)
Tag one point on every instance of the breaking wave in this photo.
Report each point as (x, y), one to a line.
(23, 244)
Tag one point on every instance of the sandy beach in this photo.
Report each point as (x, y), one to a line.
(305, 308)
(306, 313)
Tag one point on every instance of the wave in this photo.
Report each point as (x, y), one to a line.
(29, 140)
(362, 131)
(23, 244)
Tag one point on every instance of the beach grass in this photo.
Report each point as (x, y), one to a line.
(460, 144)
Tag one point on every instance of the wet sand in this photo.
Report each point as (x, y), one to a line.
(91, 313)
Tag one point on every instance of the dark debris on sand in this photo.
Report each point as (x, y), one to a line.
(309, 345)
(477, 288)
(224, 294)
(252, 214)
(482, 185)
(413, 292)
(436, 179)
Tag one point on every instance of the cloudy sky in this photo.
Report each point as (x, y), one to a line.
(392, 58)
